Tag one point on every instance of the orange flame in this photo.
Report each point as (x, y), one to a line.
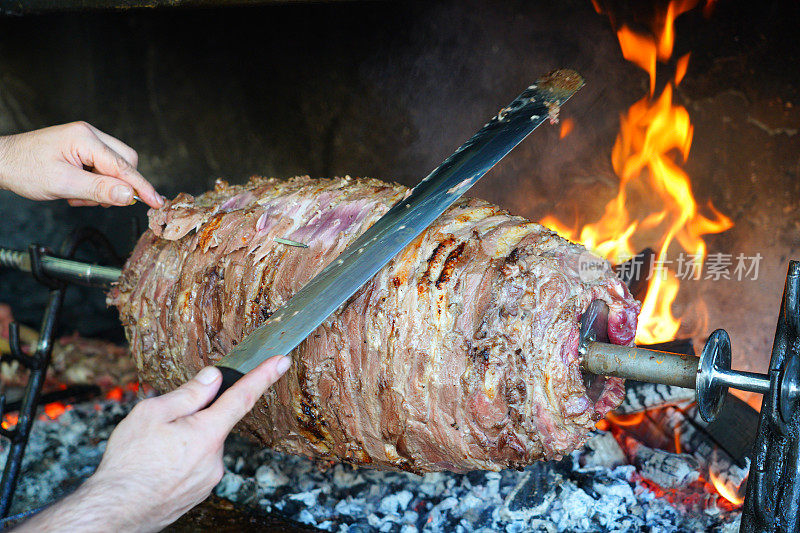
(724, 490)
(115, 394)
(51, 410)
(566, 127)
(680, 68)
(9, 421)
(626, 420)
(55, 409)
(640, 50)
(653, 142)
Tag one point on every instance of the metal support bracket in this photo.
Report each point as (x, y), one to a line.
(773, 487)
(39, 362)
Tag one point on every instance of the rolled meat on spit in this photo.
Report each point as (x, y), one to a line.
(461, 354)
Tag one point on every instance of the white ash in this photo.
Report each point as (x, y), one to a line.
(695, 440)
(640, 396)
(602, 449)
(546, 496)
(668, 470)
(62, 453)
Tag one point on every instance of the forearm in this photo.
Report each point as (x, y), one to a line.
(95, 507)
(6, 142)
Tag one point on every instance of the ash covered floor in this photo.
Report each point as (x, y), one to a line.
(586, 491)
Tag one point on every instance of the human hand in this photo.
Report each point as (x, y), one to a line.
(51, 163)
(164, 458)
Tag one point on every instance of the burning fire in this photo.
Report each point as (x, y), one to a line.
(654, 203)
(567, 125)
(626, 420)
(9, 421)
(54, 410)
(50, 411)
(724, 490)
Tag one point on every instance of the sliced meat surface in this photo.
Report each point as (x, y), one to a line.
(460, 354)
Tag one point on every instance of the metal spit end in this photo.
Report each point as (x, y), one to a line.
(594, 325)
(710, 389)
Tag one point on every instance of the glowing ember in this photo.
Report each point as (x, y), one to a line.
(654, 203)
(697, 494)
(118, 394)
(55, 409)
(567, 126)
(626, 420)
(9, 421)
(51, 410)
(115, 394)
(725, 491)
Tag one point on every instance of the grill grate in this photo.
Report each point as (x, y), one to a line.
(39, 362)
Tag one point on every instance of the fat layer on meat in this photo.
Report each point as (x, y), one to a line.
(460, 354)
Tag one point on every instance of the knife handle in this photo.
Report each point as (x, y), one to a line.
(229, 377)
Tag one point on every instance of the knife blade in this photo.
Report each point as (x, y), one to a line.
(288, 326)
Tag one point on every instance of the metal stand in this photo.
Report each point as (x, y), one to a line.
(40, 360)
(773, 488)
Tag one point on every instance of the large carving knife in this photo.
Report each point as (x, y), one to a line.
(359, 262)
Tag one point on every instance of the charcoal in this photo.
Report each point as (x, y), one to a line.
(728, 472)
(641, 397)
(668, 470)
(556, 496)
(218, 514)
(720, 448)
(602, 450)
(538, 480)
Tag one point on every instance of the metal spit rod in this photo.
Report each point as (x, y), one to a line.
(79, 272)
(710, 374)
(62, 269)
(640, 364)
(667, 368)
